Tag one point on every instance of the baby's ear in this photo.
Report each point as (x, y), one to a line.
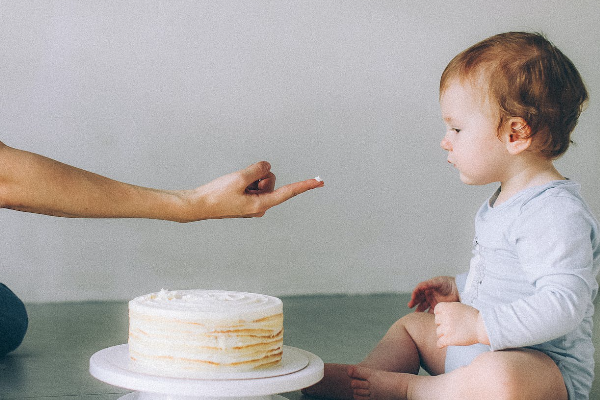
(519, 135)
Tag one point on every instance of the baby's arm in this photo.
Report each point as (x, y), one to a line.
(554, 249)
(555, 245)
(30, 182)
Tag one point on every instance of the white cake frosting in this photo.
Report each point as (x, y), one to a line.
(186, 333)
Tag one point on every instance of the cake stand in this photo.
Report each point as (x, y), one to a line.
(298, 369)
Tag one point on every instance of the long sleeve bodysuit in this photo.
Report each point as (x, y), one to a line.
(533, 278)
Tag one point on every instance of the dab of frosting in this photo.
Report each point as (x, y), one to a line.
(318, 179)
(164, 294)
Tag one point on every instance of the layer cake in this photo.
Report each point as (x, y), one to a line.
(189, 333)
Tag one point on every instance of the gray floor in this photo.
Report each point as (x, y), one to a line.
(53, 361)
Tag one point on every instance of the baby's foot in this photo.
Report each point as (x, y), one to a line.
(334, 385)
(374, 384)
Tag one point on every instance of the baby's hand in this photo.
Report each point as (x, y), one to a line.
(459, 325)
(429, 293)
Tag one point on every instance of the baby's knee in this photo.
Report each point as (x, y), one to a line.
(416, 319)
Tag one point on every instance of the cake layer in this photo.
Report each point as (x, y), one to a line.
(184, 333)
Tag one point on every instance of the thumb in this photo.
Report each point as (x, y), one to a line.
(256, 171)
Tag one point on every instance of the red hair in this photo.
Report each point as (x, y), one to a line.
(525, 76)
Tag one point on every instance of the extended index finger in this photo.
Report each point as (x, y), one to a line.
(286, 192)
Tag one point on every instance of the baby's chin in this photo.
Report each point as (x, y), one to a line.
(473, 181)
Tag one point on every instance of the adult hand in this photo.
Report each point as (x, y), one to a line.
(245, 193)
(426, 295)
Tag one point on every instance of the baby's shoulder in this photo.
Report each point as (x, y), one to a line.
(560, 206)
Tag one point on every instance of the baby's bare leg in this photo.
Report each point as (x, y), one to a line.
(514, 374)
(410, 342)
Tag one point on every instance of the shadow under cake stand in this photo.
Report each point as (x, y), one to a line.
(298, 369)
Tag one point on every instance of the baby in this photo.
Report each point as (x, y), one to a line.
(519, 324)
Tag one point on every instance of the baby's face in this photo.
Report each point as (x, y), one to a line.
(471, 138)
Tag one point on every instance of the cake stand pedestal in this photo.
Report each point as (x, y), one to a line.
(298, 369)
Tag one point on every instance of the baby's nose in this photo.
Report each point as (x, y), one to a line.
(446, 145)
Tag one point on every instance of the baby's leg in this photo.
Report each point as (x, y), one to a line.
(409, 343)
(514, 374)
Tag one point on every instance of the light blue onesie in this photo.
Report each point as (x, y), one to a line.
(533, 278)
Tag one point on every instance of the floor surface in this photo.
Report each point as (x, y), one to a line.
(53, 361)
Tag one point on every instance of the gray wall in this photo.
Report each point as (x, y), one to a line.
(172, 94)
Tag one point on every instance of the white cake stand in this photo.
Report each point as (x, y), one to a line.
(298, 369)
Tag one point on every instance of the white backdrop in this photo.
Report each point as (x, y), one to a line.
(172, 94)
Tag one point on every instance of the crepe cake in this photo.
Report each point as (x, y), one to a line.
(191, 333)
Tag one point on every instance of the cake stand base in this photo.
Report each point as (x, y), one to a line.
(154, 396)
(299, 369)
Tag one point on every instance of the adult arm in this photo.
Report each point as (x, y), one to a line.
(34, 183)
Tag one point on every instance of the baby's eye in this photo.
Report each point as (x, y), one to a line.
(456, 130)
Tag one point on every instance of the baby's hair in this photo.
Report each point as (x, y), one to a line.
(525, 76)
